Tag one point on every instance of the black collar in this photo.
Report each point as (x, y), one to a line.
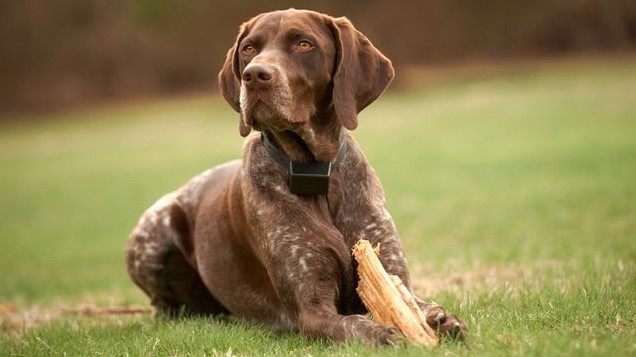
(310, 178)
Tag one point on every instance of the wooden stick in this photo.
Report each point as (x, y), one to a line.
(388, 299)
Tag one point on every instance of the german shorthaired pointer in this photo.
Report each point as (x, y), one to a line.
(268, 238)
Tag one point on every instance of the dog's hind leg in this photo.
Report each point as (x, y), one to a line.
(160, 268)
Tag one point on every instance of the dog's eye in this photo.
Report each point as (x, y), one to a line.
(249, 50)
(304, 46)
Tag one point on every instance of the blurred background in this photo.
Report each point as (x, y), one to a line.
(506, 148)
(72, 52)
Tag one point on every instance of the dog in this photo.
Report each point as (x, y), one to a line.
(268, 238)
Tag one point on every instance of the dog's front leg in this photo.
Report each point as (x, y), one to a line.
(311, 270)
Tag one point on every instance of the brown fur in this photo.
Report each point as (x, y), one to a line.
(235, 239)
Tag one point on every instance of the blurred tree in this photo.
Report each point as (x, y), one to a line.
(69, 51)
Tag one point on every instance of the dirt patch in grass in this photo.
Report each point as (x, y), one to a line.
(15, 319)
(509, 280)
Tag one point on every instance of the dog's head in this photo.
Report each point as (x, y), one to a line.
(287, 67)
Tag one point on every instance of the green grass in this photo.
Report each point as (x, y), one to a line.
(515, 196)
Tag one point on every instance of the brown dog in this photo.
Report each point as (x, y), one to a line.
(268, 239)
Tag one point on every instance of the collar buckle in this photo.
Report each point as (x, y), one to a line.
(311, 178)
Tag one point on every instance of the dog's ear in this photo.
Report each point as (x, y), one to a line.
(361, 72)
(230, 78)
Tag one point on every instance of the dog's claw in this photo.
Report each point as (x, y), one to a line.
(385, 336)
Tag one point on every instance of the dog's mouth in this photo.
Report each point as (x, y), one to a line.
(267, 109)
(263, 110)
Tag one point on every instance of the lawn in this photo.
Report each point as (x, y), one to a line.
(514, 194)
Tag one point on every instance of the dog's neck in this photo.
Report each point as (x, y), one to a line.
(319, 141)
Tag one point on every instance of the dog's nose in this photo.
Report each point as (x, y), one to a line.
(258, 75)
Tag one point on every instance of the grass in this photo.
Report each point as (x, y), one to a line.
(514, 194)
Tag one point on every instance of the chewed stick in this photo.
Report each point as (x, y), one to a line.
(388, 299)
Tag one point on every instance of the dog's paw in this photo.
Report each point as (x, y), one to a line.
(380, 336)
(372, 334)
(445, 323)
